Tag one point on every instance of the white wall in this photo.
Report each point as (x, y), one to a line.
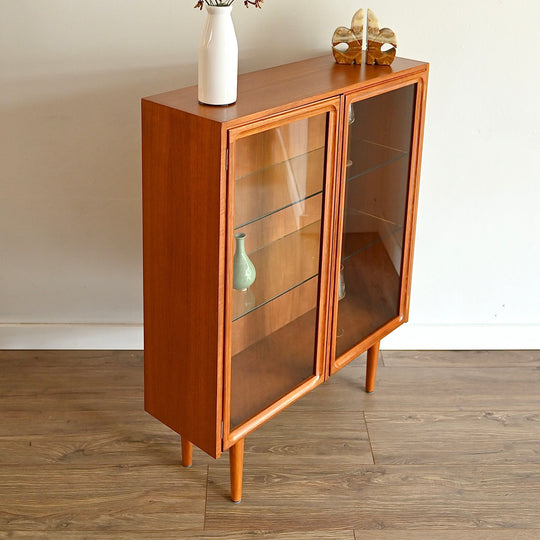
(72, 75)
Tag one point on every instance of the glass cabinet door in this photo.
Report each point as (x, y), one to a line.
(378, 154)
(279, 188)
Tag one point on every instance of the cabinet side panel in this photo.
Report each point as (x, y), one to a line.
(182, 286)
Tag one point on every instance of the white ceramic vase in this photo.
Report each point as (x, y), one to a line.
(218, 58)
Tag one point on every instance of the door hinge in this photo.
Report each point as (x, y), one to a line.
(226, 159)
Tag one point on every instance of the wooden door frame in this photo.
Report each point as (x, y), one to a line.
(332, 108)
(410, 221)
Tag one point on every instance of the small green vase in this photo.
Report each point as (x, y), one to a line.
(243, 270)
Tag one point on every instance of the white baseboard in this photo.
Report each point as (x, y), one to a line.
(71, 336)
(407, 337)
(412, 337)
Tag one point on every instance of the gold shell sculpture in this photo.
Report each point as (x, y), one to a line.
(353, 39)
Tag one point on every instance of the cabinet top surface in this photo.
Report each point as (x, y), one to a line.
(289, 85)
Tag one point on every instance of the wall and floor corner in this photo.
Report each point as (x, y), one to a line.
(72, 76)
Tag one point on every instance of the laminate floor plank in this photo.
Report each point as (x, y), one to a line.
(299, 436)
(119, 498)
(468, 359)
(432, 534)
(454, 534)
(378, 497)
(456, 454)
(337, 534)
(71, 380)
(55, 359)
(44, 422)
(486, 437)
(67, 378)
(424, 389)
(90, 400)
(62, 364)
(86, 438)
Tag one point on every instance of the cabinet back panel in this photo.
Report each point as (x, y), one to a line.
(279, 145)
(273, 366)
(265, 320)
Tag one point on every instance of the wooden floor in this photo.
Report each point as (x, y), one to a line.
(447, 447)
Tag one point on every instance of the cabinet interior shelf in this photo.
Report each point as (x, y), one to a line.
(275, 211)
(353, 244)
(287, 370)
(276, 187)
(286, 162)
(370, 156)
(244, 302)
(300, 252)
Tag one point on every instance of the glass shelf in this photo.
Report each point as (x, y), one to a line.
(281, 266)
(278, 186)
(374, 229)
(355, 243)
(257, 383)
(369, 156)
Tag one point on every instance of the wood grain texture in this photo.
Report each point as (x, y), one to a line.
(123, 399)
(263, 91)
(299, 437)
(308, 472)
(353, 53)
(89, 437)
(182, 271)
(70, 381)
(487, 437)
(376, 38)
(461, 359)
(332, 534)
(450, 534)
(352, 37)
(470, 389)
(41, 373)
(113, 498)
(377, 497)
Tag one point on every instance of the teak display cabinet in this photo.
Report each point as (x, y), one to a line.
(316, 166)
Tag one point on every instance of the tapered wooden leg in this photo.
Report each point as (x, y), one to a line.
(371, 368)
(187, 452)
(236, 464)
